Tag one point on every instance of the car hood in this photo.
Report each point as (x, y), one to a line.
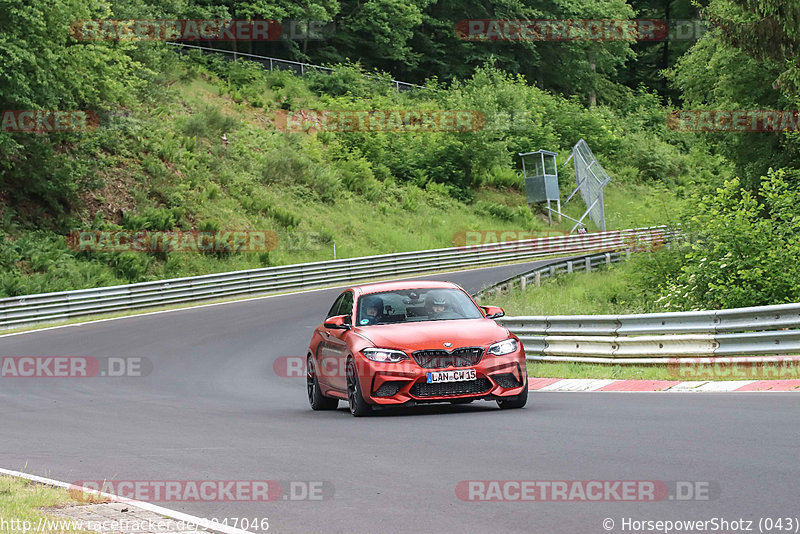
(433, 334)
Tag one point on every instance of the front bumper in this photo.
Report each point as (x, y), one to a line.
(405, 382)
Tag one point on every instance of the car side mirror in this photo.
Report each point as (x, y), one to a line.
(493, 312)
(337, 322)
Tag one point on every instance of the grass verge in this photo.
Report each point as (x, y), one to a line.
(686, 372)
(607, 291)
(21, 502)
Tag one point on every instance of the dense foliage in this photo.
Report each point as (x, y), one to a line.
(743, 248)
(156, 160)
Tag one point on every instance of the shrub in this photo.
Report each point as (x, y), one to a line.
(655, 159)
(209, 122)
(131, 266)
(357, 176)
(506, 177)
(500, 211)
(298, 167)
(743, 250)
(152, 219)
(284, 217)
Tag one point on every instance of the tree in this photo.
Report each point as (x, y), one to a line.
(42, 67)
(745, 63)
(743, 248)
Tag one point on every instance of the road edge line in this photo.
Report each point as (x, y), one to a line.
(172, 514)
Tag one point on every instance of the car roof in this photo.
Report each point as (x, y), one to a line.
(404, 284)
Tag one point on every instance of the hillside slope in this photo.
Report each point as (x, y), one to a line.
(158, 162)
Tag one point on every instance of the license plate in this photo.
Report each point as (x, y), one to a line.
(451, 376)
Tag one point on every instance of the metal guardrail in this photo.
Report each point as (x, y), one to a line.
(46, 307)
(650, 338)
(274, 63)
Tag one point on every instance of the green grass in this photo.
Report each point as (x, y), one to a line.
(21, 500)
(586, 370)
(607, 291)
(688, 372)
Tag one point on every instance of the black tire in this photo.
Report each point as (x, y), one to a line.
(316, 399)
(358, 406)
(511, 403)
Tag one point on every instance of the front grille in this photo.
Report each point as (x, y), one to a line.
(389, 389)
(507, 380)
(449, 389)
(440, 359)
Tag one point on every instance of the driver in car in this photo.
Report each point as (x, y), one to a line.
(439, 307)
(373, 311)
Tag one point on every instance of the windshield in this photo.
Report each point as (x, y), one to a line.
(414, 305)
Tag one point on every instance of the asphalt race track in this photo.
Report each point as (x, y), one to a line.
(214, 409)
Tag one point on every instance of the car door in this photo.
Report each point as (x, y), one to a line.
(332, 351)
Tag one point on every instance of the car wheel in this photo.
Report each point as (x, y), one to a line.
(358, 406)
(514, 402)
(316, 399)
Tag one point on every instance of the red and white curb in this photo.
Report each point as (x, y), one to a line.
(669, 386)
(166, 512)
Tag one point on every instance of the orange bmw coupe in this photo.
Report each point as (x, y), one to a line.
(412, 342)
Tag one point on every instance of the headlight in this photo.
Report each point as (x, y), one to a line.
(503, 347)
(384, 355)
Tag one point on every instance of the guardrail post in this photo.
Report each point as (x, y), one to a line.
(302, 69)
(628, 255)
(608, 258)
(537, 278)
(523, 282)
(569, 267)
(588, 261)
(552, 271)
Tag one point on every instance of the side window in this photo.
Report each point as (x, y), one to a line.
(346, 307)
(335, 308)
